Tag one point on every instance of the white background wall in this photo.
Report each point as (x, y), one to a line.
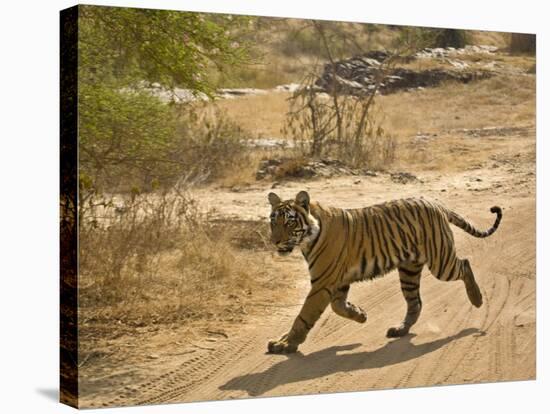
(29, 158)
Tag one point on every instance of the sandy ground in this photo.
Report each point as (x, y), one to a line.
(452, 343)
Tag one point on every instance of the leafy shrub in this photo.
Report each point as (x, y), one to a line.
(416, 38)
(523, 43)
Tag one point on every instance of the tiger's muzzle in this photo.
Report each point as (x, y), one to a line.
(284, 250)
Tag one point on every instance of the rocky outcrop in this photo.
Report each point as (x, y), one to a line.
(359, 75)
(288, 168)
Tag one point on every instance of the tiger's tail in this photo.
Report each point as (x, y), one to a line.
(459, 221)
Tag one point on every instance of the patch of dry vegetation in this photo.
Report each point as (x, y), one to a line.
(485, 37)
(499, 101)
(156, 260)
(504, 101)
(262, 115)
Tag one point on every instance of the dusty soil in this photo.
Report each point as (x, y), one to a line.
(452, 343)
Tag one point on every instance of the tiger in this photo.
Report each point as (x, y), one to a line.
(344, 246)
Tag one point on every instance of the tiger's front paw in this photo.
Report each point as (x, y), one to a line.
(360, 315)
(281, 346)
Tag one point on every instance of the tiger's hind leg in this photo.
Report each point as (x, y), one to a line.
(343, 308)
(472, 288)
(409, 278)
(459, 269)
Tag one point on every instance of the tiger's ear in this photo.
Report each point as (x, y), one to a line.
(274, 199)
(302, 199)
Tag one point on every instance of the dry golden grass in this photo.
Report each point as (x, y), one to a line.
(499, 101)
(484, 37)
(502, 101)
(505, 100)
(262, 115)
(504, 62)
(244, 173)
(199, 272)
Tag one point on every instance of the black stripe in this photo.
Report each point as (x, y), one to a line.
(358, 228)
(410, 284)
(408, 228)
(442, 248)
(344, 288)
(424, 229)
(363, 264)
(371, 235)
(430, 242)
(438, 229)
(313, 293)
(410, 273)
(415, 299)
(409, 289)
(380, 238)
(447, 250)
(376, 268)
(404, 218)
(399, 225)
(391, 237)
(435, 232)
(331, 267)
(311, 262)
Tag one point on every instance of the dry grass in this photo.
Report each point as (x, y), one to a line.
(499, 101)
(262, 115)
(484, 37)
(452, 105)
(271, 70)
(502, 101)
(160, 265)
(504, 62)
(506, 100)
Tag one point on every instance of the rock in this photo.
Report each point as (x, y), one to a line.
(228, 93)
(292, 168)
(357, 76)
(403, 177)
(291, 87)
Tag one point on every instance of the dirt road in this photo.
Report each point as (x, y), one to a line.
(452, 343)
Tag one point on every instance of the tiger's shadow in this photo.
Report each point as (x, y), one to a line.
(298, 367)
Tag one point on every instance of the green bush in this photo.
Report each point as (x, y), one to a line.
(449, 38)
(128, 139)
(523, 43)
(416, 38)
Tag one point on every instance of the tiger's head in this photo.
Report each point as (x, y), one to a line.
(291, 222)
